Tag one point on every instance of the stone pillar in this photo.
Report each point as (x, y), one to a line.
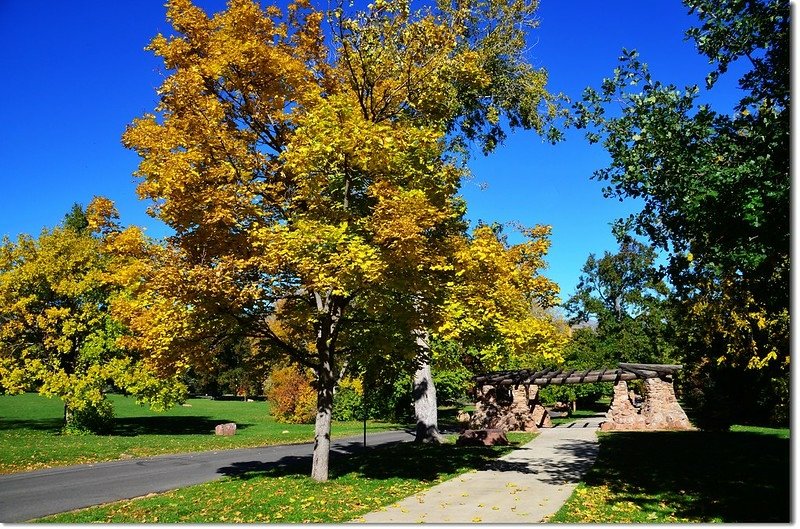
(521, 412)
(622, 415)
(661, 410)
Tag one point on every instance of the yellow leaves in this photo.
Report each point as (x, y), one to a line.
(102, 215)
(325, 257)
(493, 302)
(728, 312)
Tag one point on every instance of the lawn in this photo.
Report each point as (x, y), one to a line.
(30, 431)
(739, 476)
(358, 484)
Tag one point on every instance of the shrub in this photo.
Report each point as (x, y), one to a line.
(91, 419)
(391, 401)
(348, 401)
(452, 385)
(291, 397)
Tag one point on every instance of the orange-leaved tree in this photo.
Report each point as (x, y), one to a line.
(309, 176)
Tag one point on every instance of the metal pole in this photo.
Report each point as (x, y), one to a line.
(364, 405)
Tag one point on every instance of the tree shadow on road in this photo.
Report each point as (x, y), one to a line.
(405, 460)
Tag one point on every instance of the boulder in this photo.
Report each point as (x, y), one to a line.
(489, 437)
(229, 428)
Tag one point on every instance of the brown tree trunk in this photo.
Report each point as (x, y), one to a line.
(424, 393)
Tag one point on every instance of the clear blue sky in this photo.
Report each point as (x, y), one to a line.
(75, 74)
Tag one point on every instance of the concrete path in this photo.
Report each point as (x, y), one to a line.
(524, 486)
(28, 495)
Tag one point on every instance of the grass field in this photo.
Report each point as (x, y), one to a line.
(739, 476)
(30, 431)
(359, 484)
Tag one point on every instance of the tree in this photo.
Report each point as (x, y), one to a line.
(494, 313)
(496, 305)
(311, 181)
(627, 299)
(56, 333)
(715, 186)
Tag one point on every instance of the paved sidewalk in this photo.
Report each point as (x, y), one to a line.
(524, 486)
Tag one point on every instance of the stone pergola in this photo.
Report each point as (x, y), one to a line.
(509, 400)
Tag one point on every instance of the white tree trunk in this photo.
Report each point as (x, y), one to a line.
(322, 428)
(326, 381)
(424, 393)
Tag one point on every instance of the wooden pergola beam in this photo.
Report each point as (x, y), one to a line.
(626, 371)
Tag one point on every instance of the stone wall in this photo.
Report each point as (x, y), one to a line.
(660, 410)
(509, 409)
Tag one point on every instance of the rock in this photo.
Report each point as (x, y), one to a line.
(227, 429)
(509, 409)
(489, 437)
(463, 417)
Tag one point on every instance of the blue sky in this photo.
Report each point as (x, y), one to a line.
(75, 74)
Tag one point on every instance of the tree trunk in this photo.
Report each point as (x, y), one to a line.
(68, 415)
(424, 393)
(322, 424)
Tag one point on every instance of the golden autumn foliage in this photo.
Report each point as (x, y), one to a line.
(290, 395)
(496, 302)
(308, 162)
(57, 335)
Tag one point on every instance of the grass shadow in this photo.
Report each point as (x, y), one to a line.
(183, 425)
(52, 425)
(735, 477)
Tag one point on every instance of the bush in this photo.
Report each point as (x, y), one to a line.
(391, 401)
(719, 396)
(91, 419)
(291, 397)
(583, 394)
(348, 401)
(452, 385)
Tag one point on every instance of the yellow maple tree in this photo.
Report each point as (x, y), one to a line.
(57, 335)
(310, 175)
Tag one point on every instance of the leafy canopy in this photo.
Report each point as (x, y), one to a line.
(310, 175)
(715, 186)
(57, 335)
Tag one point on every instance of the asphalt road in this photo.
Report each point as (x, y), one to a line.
(29, 495)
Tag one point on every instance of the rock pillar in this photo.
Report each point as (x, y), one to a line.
(660, 410)
(509, 409)
(622, 415)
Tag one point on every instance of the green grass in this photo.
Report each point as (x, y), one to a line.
(739, 476)
(30, 428)
(358, 484)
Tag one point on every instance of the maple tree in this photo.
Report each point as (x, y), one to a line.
(57, 335)
(310, 178)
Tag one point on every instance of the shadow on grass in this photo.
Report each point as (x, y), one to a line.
(735, 477)
(130, 426)
(184, 425)
(52, 425)
(403, 460)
